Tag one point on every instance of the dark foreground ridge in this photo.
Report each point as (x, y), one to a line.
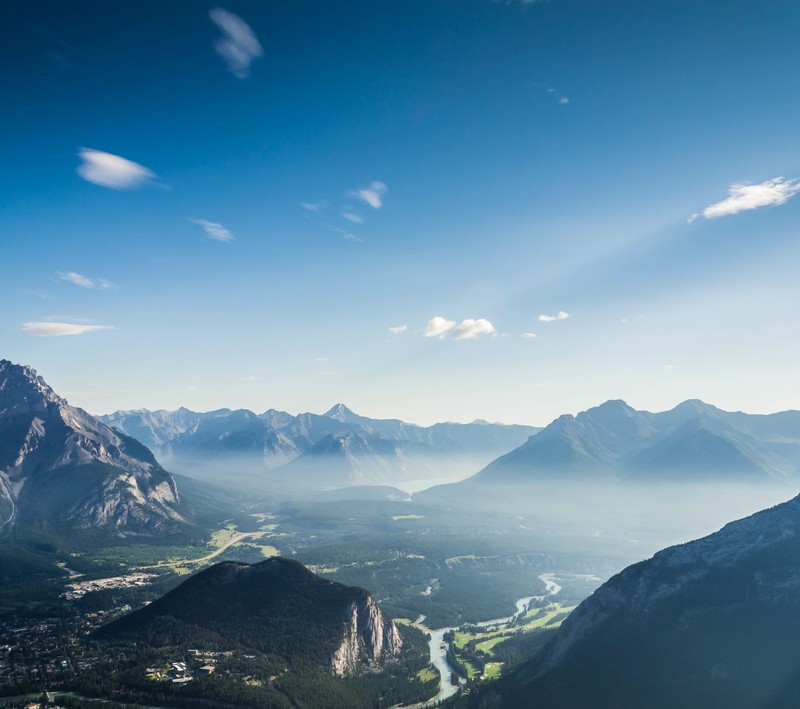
(271, 634)
(274, 607)
(709, 624)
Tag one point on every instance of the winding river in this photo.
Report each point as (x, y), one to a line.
(438, 647)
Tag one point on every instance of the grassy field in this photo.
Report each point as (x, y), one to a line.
(475, 646)
(427, 674)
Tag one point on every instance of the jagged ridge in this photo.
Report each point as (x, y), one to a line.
(59, 464)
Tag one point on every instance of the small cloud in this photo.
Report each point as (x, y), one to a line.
(347, 236)
(238, 45)
(192, 387)
(315, 207)
(84, 281)
(470, 329)
(251, 378)
(60, 329)
(112, 171)
(326, 373)
(745, 197)
(397, 330)
(438, 326)
(669, 366)
(213, 230)
(320, 359)
(528, 334)
(562, 100)
(350, 216)
(372, 195)
(552, 318)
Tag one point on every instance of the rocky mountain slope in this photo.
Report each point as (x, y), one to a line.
(275, 607)
(61, 466)
(712, 623)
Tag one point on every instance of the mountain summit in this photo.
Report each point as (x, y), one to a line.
(61, 466)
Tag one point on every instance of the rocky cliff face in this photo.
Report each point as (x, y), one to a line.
(60, 464)
(369, 639)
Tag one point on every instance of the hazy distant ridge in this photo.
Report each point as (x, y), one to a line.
(694, 441)
(335, 448)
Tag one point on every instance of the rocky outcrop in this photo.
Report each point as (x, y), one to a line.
(60, 464)
(369, 639)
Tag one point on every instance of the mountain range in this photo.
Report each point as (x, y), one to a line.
(710, 624)
(336, 448)
(62, 466)
(692, 442)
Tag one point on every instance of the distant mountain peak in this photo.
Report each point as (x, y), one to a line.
(695, 406)
(341, 413)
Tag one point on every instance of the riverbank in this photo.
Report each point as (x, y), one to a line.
(439, 647)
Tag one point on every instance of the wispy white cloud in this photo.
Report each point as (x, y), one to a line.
(563, 100)
(552, 318)
(372, 195)
(60, 329)
(744, 197)
(320, 359)
(84, 281)
(470, 329)
(214, 230)
(112, 171)
(529, 335)
(250, 378)
(238, 45)
(352, 217)
(315, 207)
(438, 326)
(397, 330)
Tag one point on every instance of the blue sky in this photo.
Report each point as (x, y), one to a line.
(428, 210)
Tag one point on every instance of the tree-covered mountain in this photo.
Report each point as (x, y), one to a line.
(711, 624)
(281, 635)
(60, 466)
(335, 448)
(275, 607)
